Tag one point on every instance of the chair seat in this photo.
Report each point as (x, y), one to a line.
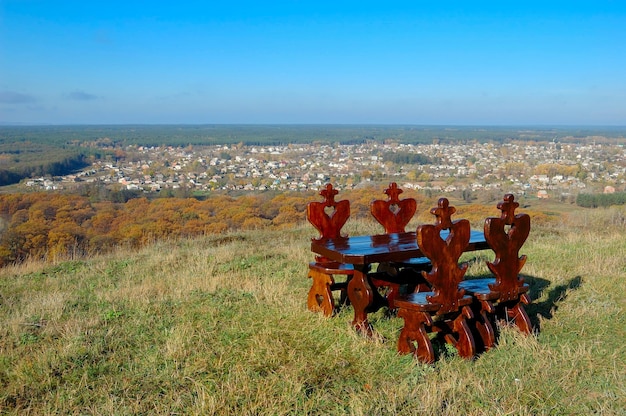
(419, 301)
(332, 268)
(479, 288)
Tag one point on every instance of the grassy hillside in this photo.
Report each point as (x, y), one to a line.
(219, 325)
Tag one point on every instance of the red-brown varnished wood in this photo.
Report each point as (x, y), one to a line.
(369, 249)
(414, 336)
(362, 296)
(506, 245)
(363, 250)
(393, 214)
(504, 295)
(320, 297)
(446, 274)
(447, 302)
(328, 217)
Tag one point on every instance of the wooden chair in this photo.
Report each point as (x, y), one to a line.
(446, 308)
(502, 297)
(328, 217)
(394, 214)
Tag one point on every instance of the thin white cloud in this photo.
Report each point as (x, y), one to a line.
(81, 96)
(12, 97)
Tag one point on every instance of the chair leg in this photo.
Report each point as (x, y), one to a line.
(519, 315)
(320, 297)
(483, 325)
(414, 331)
(464, 344)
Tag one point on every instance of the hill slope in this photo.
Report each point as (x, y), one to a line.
(219, 325)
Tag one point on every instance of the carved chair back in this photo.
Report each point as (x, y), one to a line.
(444, 254)
(393, 214)
(506, 235)
(328, 216)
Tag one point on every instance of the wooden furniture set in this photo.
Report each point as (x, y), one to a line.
(437, 299)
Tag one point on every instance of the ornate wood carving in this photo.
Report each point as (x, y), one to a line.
(446, 301)
(446, 273)
(508, 263)
(506, 245)
(394, 214)
(328, 217)
(504, 295)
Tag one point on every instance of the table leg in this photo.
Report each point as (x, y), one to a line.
(361, 297)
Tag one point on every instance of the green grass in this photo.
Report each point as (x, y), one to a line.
(219, 325)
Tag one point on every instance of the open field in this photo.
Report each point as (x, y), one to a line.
(219, 325)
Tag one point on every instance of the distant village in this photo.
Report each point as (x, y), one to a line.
(545, 169)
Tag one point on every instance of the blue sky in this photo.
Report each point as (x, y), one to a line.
(394, 62)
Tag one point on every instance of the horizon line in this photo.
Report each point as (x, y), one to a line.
(524, 125)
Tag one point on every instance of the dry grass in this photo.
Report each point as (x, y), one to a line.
(219, 325)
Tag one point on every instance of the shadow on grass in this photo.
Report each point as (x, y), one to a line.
(555, 296)
(538, 288)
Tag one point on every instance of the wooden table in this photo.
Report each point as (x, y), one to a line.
(362, 251)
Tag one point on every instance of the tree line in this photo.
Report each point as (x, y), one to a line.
(281, 134)
(589, 200)
(58, 225)
(52, 167)
(406, 158)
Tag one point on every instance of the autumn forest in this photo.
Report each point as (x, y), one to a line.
(53, 226)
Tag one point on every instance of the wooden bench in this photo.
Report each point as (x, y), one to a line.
(328, 217)
(444, 309)
(503, 296)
